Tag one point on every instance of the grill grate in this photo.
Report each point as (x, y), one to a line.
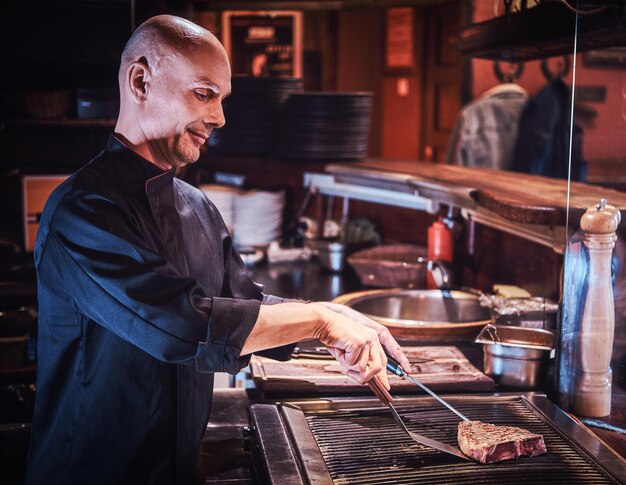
(368, 447)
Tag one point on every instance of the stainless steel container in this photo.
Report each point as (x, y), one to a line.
(330, 255)
(516, 357)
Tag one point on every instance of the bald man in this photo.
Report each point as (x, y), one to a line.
(142, 295)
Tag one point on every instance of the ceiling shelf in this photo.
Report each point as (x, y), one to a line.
(544, 31)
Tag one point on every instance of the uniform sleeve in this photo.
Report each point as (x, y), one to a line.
(110, 275)
(239, 285)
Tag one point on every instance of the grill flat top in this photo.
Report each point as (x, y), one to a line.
(366, 446)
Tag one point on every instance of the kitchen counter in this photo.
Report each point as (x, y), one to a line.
(224, 456)
(307, 281)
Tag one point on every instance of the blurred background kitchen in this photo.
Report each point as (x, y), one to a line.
(447, 149)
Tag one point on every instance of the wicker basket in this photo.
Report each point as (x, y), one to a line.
(391, 266)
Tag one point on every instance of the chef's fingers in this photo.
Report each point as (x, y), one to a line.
(352, 355)
(335, 352)
(364, 359)
(394, 349)
(354, 375)
(362, 377)
(367, 365)
(374, 365)
(382, 374)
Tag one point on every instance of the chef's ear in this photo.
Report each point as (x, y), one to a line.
(138, 77)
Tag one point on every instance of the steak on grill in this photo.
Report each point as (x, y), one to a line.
(488, 443)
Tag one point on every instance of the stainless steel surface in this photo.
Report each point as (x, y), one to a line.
(419, 307)
(406, 190)
(423, 440)
(330, 255)
(342, 441)
(328, 185)
(523, 371)
(516, 357)
(507, 336)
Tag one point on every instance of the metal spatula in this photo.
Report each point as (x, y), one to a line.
(394, 366)
(386, 399)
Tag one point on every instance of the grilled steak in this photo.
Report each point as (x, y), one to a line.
(488, 443)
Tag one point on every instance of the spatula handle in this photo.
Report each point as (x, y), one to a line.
(394, 366)
(379, 390)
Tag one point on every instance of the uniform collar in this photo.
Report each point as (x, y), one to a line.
(152, 176)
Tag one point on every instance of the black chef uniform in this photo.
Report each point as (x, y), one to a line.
(141, 298)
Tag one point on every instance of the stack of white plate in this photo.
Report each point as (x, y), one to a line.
(223, 197)
(258, 217)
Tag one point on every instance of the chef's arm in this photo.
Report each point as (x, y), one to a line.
(355, 345)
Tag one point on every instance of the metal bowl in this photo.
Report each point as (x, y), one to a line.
(424, 315)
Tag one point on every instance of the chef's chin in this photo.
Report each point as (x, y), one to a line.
(189, 156)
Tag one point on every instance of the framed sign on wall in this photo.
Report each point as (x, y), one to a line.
(399, 44)
(264, 43)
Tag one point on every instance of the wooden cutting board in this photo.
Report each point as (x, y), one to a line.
(440, 368)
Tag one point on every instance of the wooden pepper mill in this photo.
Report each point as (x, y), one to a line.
(592, 395)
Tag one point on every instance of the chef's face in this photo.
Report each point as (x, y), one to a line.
(184, 103)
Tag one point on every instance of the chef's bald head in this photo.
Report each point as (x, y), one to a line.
(173, 77)
(160, 36)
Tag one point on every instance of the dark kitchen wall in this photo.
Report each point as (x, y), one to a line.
(50, 49)
(65, 44)
(61, 44)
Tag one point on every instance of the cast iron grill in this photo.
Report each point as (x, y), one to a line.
(369, 447)
(362, 444)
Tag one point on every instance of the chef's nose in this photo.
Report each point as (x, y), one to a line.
(215, 116)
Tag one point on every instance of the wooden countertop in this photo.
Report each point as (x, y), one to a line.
(614, 439)
(516, 196)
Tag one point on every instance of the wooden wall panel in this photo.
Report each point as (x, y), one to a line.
(359, 61)
(401, 117)
(441, 80)
(447, 99)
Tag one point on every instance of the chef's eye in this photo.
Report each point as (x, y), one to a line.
(203, 95)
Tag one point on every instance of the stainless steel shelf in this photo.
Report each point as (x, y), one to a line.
(397, 190)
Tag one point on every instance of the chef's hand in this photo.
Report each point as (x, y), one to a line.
(355, 346)
(385, 337)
